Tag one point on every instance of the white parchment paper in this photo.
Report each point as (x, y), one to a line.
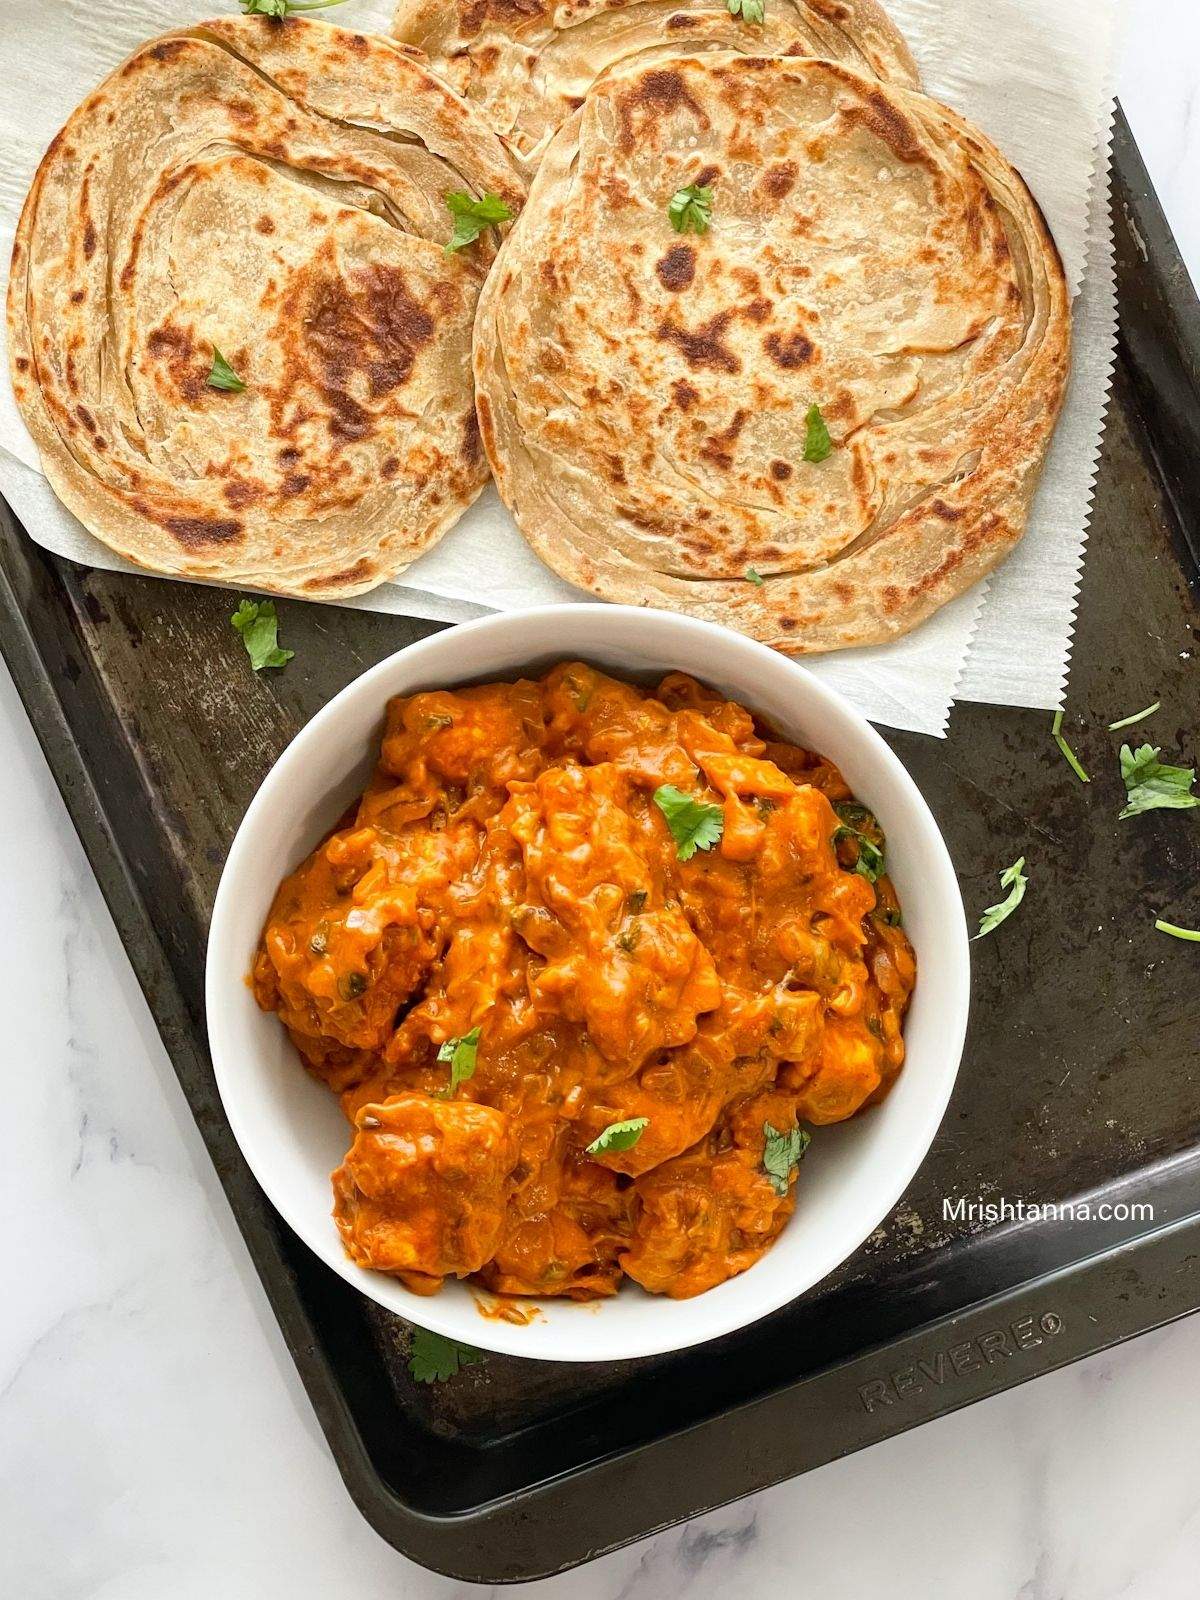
(1036, 75)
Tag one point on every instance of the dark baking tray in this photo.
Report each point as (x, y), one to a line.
(1081, 1077)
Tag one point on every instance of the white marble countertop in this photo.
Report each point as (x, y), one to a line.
(155, 1443)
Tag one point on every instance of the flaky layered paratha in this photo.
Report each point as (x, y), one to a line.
(646, 396)
(275, 191)
(527, 64)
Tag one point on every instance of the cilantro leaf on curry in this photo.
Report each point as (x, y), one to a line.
(869, 862)
(694, 824)
(1192, 935)
(748, 10)
(690, 209)
(782, 1154)
(1015, 880)
(818, 446)
(619, 1136)
(258, 625)
(222, 375)
(461, 1054)
(434, 1358)
(1069, 755)
(472, 216)
(1152, 785)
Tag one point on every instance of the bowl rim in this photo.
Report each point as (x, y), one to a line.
(494, 1334)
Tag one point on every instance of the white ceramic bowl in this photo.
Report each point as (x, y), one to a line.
(291, 1129)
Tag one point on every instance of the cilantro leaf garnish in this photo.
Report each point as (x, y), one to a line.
(1069, 755)
(258, 625)
(284, 8)
(753, 577)
(460, 1053)
(619, 1136)
(434, 1358)
(1151, 785)
(818, 446)
(1015, 881)
(223, 376)
(748, 10)
(1191, 934)
(1138, 716)
(694, 824)
(782, 1153)
(870, 864)
(472, 216)
(690, 209)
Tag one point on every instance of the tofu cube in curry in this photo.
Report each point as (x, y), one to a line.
(423, 1188)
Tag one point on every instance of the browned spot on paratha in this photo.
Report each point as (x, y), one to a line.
(887, 122)
(790, 350)
(779, 180)
(677, 268)
(195, 533)
(349, 576)
(717, 449)
(658, 94)
(703, 347)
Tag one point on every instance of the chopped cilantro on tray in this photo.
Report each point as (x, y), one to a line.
(258, 625)
(1069, 755)
(1138, 716)
(434, 1358)
(1013, 879)
(1152, 785)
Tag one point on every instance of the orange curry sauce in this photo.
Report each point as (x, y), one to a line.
(509, 870)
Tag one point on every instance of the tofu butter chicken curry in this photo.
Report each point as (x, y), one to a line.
(580, 964)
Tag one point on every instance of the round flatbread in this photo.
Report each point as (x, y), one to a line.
(527, 64)
(274, 191)
(647, 397)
